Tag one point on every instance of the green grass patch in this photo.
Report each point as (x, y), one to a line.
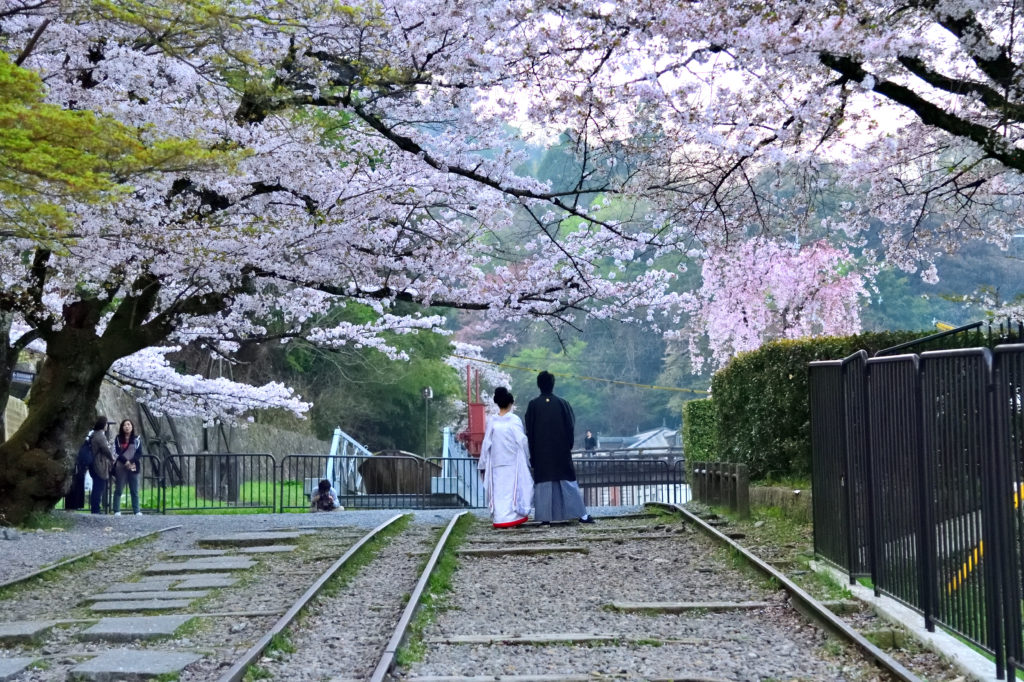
(435, 594)
(280, 643)
(255, 672)
(832, 647)
(46, 521)
(826, 586)
(661, 512)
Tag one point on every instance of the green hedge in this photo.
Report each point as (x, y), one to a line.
(700, 433)
(761, 402)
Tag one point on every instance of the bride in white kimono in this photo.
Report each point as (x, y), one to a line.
(504, 465)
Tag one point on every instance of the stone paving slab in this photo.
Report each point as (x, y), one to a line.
(228, 563)
(540, 638)
(549, 638)
(140, 605)
(135, 627)
(200, 582)
(503, 678)
(687, 677)
(250, 539)
(534, 549)
(683, 606)
(162, 594)
(153, 583)
(130, 665)
(10, 667)
(197, 552)
(24, 630)
(175, 578)
(268, 549)
(579, 538)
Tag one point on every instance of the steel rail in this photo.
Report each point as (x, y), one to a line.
(237, 671)
(807, 603)
(79, 557)
(387, 660)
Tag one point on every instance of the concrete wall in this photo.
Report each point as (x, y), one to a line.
(794, 503)
(251, 438)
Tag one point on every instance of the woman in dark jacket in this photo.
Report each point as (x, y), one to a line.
(128, 451)
(102, 463)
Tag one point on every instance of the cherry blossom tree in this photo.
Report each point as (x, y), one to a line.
(359, 174)
(766, 290)
(370, 163)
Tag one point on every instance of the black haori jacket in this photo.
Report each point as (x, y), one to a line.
(549, 424)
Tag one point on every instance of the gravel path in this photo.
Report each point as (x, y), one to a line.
(571, 593)
(31, 550)
(342, 635)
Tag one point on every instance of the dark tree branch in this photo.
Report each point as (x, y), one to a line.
(989, 96)
(993, 145)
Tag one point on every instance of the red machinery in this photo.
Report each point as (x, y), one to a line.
(473, 436)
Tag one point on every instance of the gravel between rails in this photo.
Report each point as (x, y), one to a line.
(344, 635)
(569, 593)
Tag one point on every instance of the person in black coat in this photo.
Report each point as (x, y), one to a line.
(549, 424)
(102, 463)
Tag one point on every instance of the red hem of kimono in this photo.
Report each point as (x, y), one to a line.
(509, 524)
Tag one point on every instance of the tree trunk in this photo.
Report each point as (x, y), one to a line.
(8, 359)
(37, 461)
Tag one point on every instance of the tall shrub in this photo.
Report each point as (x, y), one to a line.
(761, 402)
(700, 431)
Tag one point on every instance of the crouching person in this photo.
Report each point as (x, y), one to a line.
(324, 498)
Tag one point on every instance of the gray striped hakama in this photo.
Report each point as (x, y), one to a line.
(557, 501)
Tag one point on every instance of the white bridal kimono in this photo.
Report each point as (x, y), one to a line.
(505, 463)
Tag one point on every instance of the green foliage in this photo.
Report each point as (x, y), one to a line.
(613, 351)
(700, 431)
(761, 399)
(54, 156)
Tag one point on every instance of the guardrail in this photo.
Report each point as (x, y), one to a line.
(251, 483)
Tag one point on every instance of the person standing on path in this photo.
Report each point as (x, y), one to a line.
(128, 456)
(504, 457)
(102, 463)
(549, 426)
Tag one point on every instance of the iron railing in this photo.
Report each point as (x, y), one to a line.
(924, 453)
(222, 482)
(237, 483)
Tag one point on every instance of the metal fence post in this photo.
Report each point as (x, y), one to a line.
(927, 584)
(992, 521)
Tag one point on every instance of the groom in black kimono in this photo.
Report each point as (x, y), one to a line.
(549, 424)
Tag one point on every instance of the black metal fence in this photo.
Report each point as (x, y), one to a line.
(253, 483)
(918, 480)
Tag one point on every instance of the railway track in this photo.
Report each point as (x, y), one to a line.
(645, 599)
(297, 605)
(649, 598)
